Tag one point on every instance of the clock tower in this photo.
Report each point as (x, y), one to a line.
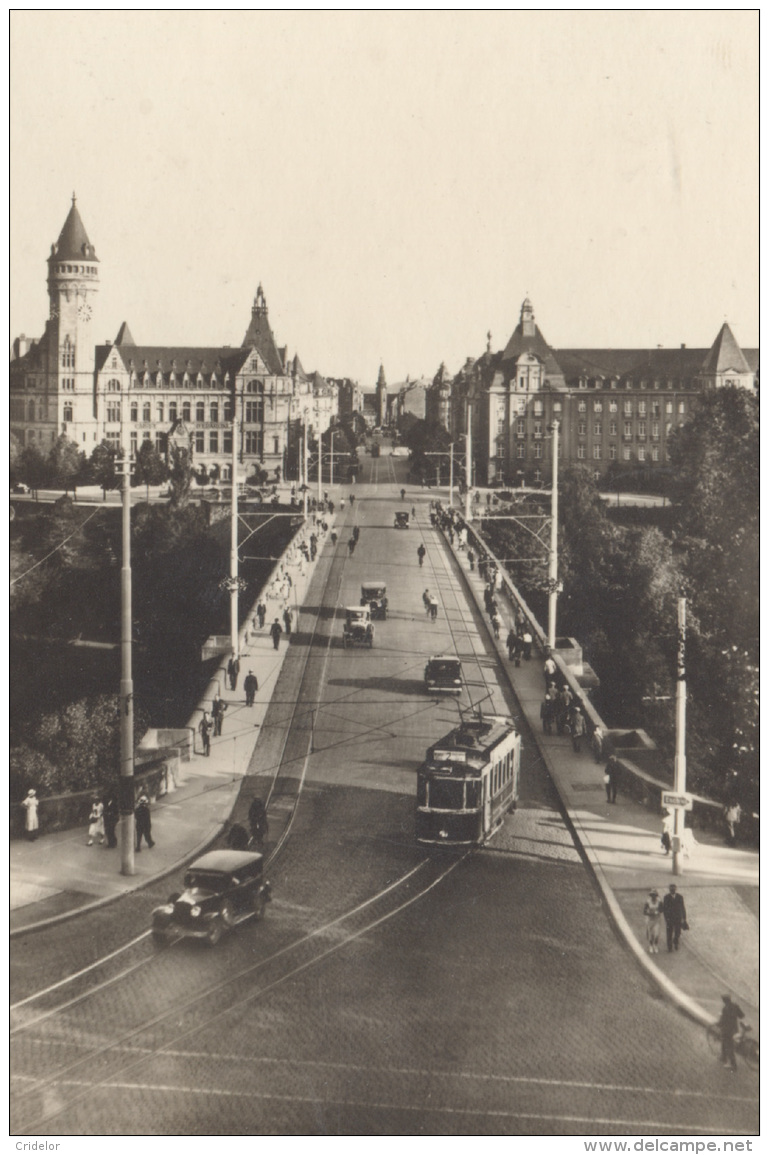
(73, 280)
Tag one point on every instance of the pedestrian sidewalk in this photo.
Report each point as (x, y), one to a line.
(59, 875)
(720, 952)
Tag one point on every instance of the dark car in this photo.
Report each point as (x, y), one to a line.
(20, 487)
(444, 675)
(221, 890)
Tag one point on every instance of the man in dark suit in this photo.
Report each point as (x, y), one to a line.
(675, 915)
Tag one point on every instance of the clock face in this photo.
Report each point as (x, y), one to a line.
(84, 311)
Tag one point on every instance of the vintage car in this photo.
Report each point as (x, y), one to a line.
(443, 675)
(374, 595)
(401, 519)
(221, 890)
(357, 630)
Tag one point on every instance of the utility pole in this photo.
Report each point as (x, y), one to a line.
(306, 472)
(468, 464)
(331, 479)
(320, 466)
(233, 583)
(552, 601)
(451, 475)
(680, 758)
(127, 802)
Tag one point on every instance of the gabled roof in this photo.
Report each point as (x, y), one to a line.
(536, 344)
(725, 354)
(259, 334)
(73, 243)
(165, 359)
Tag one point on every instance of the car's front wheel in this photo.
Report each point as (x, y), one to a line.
(214, 933)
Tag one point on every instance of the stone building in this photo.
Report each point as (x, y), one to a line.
(63, 383)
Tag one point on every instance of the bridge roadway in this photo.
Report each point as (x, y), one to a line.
(389, 990)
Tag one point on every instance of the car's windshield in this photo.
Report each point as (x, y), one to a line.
(443, 669)
(204, 880)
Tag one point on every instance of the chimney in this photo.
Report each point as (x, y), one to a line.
(683, 345)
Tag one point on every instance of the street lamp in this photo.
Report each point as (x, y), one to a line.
(552, 573)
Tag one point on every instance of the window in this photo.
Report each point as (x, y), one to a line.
(627, 429)
(537, 475)
(597, 406)
(557, 407)
(655, 453)
(113, 411)
(655, 408)
(522, 405)
(214, 411)
(582, 428)
(537, 428)
(668, 428)
(500, 426)
(31, 408)
(134, 443)
(520, 452)
(597, 429)
(254, 411)
(134, 410)
(520, 429)
(276, 445)
(213, 443)
(68, 412)
(113, 386)
(227, 441)
(68, 384)
(146, 411)
(160, 410)
(200, 411)
(68, 357)
(641, 408)
(146, 437)
(628, 409)
(582, 406)
(113, 439)
(228, 409)
(668, 406)
(161, 443)
(626, 453)
(596, 452)
(612, 406)
(613, 452)
(642, 429)
(538, 450)
(641, 453)
(682, 407)
(186, 410)
(200, 441)
(500, 449)
(539, 408)
(172, 411)
(655, 430)
(581, 451)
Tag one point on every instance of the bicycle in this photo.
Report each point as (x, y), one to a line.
(744, 1044)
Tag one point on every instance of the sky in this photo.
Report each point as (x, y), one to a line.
(397, 181)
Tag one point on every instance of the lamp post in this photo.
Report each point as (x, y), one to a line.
(234, 544)
(552, 573)
(468, 464)
(127, 831)
(679, 772)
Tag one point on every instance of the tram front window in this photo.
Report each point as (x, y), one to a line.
(446, 794)
(473, 795)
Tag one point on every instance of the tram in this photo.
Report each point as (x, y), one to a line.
(468, 782)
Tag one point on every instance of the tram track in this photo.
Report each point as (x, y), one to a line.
(113, 1060)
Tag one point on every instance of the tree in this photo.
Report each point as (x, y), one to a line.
(102, 466)
(66, 463)
(15, 459)
(34, 468)
(149, 467)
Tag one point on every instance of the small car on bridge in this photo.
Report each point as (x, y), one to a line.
(401, 519)
(358, 629)
(443, 675)
(374, 595)
(221, 890)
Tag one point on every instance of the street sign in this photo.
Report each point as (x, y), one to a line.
(677, 801)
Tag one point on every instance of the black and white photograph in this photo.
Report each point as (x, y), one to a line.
(384, 578)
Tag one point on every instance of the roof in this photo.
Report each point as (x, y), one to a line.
(124, 336)
(636, 363)
(535, 344)
(725, 354)
(225, 860)
(259, 335)
(73, 242)
(164, 358)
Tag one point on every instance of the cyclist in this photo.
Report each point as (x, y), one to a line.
(729, 1023)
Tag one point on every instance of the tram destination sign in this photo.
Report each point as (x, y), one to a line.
(677, 801)
(450, 755)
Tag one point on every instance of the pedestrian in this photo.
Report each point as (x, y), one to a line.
(520, 621)
(482, 567)
(611, 779)
(562, 709)
(111, 819)
(527, 644)
(511, 641)
(549, 671)
(413, 511)
(250, 685)
(205, 727)
(331, 508)
(287, 620)
(729, 1024)
(257, 821)
(578, 729)
(143, 822)
(547, 713)
(496, 623)
(433, 608)
(218, 706)
(421, 551)
(333, 537)
(237, 838)
(356, 533)
(596, 744)
(341, 505)
(426, 601)
(471, 559)
(96, 822)
(653, 917)
(667, 831)
(31, 824)
(674, 910)
(275, 631)
(233, 670)
(351, 546)
(313, 546)
(352, 500)
(261, 613)
(403, 495)
(732, 816)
